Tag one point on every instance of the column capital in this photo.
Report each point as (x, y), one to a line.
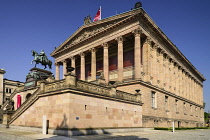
(162, 52)
(148, 41)
(93, 50)
(137, 32)
(72, 57)
(82, 54)
(119, 39)
(155, 47)
(105, 45)
(56, 64)
(64, 61)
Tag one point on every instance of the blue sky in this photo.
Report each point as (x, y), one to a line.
(27, 25)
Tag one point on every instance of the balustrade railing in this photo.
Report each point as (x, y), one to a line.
(94, 88)
(53, 86)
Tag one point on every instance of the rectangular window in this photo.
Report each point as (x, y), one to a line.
(166, 103)
(184, 108)
(191, 110)
(196, 113)
(7, 90)
(176, 106)
(153, 99)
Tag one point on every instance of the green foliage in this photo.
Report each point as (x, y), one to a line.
(204, 104)
(206, 115)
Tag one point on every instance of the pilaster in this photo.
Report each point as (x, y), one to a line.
(161, 69)
(146, 59)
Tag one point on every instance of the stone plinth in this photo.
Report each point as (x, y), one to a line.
(35, 75)
(6, 117)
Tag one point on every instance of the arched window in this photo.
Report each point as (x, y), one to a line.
(28, 96)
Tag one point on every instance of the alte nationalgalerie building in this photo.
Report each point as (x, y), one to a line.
(127, 74)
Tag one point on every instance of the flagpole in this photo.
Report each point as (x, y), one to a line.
(100, 12)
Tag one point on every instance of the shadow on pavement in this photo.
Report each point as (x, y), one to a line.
(98, 137)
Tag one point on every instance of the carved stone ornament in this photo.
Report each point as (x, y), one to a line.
(137, 32)
(87, 20)
(88, 33)
(93, 50)
(148, 41)
(105, 45)
(73, 58)
(119, 39)
(82, 54)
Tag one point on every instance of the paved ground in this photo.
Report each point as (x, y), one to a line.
(11, 134)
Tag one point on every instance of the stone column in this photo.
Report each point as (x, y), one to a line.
(73, 64)
(64, 67)
(106, 61)
(93, 64)
(137, 53)
(146, 59)
(82, 68)
(57, 71)
(120, 58)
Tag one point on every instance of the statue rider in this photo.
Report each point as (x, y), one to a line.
(43, 57)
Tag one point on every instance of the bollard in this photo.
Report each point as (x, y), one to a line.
(44, 125)
(173, 126)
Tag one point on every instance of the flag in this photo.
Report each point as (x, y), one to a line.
(98, 15)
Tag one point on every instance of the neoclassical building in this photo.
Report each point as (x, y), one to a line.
(128, 75)
(132, 50)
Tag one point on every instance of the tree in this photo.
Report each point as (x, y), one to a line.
(206, 116)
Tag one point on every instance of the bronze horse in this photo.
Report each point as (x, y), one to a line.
(37, 58)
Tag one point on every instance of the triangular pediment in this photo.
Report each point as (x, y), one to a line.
(92, 29)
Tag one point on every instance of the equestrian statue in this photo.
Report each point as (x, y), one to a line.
(41, 58)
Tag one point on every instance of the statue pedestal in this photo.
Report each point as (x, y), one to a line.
(35, 75)
(6, 117)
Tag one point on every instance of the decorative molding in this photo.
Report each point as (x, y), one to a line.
(137, 32)
(119, 39)
(105, 45)
(82, 54)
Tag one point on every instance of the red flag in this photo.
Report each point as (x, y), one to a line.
(98, 15)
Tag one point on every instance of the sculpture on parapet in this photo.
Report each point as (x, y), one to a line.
(41, 58)
(87, 20)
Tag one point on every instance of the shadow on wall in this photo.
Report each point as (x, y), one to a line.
(75, 133)
(64, 130)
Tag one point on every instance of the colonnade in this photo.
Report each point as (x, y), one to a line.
(155, 66)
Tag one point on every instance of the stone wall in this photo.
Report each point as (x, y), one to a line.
(67, 111)
(168, 107)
